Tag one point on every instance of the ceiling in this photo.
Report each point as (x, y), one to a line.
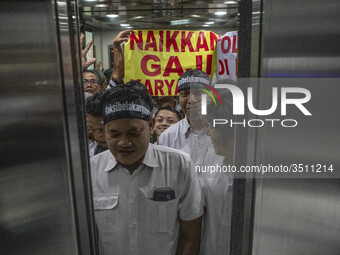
(158, 14)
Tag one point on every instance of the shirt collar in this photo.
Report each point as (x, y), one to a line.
(186, 126)
(111, 162)
(150, 157)
(148, 160)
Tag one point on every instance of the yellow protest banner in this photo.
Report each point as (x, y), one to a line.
(157, 58)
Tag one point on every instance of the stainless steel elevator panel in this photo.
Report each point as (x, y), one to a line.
(297, 217)
(300, 39)
(40, 210)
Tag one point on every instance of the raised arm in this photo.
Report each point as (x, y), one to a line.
(118, 62)
(189, 241)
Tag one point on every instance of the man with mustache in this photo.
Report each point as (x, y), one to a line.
(189, 134)
(147, 198)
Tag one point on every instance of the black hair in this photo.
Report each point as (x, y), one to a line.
(93, 72)
(108, 74)
(100, 76)
(171, 109)
(94, 104)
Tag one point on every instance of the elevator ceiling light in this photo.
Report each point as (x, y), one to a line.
(111, 15)
(220, 13)
(101, 5)
(179, 22)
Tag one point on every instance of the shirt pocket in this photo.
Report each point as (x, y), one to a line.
(106, 212)
(162, 216)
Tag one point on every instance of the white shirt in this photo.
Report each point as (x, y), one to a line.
(217, 187)
(217, 190)
(177, 136)
(129, 222)
(196, 144)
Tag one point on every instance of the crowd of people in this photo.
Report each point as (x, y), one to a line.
(148, 196)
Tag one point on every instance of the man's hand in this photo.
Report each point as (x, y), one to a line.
(123, 36)
(85, 64)
(118, 62)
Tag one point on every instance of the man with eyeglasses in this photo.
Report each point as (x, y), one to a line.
(91, 82)
(90, 79)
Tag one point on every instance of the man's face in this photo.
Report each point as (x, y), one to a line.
(128, 139)
(163, 120)
(190, 101)
(97, 126)
(90, 83)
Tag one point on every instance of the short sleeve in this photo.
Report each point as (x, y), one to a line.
(191, 200)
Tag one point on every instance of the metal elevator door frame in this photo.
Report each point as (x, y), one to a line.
(290, 216)
(45, 198)
(69, 46)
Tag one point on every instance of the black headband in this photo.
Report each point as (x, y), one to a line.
(192, 79)
(135, 108)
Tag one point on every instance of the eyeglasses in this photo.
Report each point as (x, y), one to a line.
(92, 82)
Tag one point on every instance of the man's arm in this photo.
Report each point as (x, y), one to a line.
(118, 62)
(85, 64)
(189, 241)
